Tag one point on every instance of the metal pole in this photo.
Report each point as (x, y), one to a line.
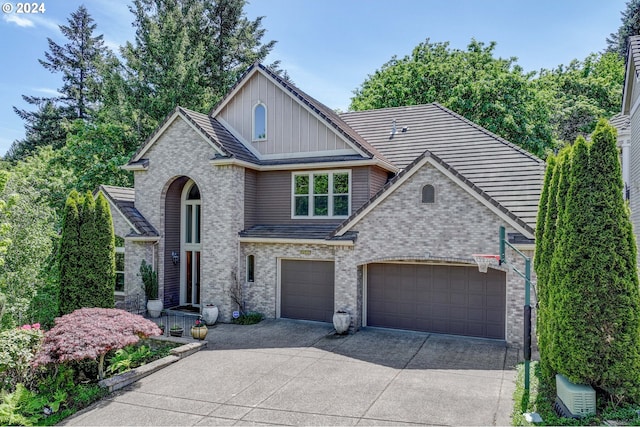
(503, 259)
(527, 322)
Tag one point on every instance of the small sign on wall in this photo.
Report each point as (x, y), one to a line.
(305, 252)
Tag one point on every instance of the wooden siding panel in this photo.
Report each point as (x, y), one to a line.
(250, 198)
(634, 175)
(273, 197)
(359, 187)
(377, 179)
(287, 121)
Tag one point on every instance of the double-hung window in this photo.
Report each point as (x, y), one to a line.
(321, 194)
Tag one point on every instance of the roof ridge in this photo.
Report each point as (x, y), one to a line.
(388, 108)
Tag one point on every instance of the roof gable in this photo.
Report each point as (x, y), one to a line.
(301, 120)
(472, 189)
(507, 173)
(122, 199)
(209, 136)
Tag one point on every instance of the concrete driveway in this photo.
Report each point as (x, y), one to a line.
(298, 373)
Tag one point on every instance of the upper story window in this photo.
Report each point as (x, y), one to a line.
(259, 122)
(428, 194)
(321, 194)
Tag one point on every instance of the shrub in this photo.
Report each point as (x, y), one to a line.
(18, 347)
(87, 257)
(90, 333)
(149, 280)
(593, 295)
(249, 318)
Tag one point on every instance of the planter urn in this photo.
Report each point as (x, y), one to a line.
(199, 332)
(341, 322)
(154, 308)
(176, 332)
(210, 314)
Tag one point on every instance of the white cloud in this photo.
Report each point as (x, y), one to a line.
(46, 91)
(31, 21)
(20, 21)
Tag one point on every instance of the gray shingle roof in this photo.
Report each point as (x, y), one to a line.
(219, 135)
(634, 48)
(292, 231)
(621, 122)
(505, 172)
(123, 198)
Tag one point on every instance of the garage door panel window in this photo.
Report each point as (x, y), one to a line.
(321, 194)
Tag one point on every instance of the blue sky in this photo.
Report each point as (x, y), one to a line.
(328, 46)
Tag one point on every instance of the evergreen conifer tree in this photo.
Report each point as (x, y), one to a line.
(104, 247)
(70, 273)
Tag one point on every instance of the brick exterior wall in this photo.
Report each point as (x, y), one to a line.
(401, 227)
(180, 151)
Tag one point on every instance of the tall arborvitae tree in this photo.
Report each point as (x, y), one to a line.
(618, 41)
(594, 290)
(103, 248)
(553, 242)
(70, 254)
(542, 258)
(87, 257)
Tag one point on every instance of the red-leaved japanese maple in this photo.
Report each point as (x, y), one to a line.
(90, 333)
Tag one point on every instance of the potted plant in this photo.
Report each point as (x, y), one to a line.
(161, 326)
(199, 329)
(150, 282)
(210, 314)
(176, 330)
(341, 321)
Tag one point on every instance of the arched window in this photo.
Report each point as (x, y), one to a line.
(251, 265)
(428, 194)
(259, 122)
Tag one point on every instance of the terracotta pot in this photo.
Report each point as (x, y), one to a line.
(341, 322)
(199, 332)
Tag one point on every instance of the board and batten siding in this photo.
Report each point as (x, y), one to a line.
(291, 128)
(268, 196)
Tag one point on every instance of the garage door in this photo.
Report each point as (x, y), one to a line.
(436, 298)
(306, 290)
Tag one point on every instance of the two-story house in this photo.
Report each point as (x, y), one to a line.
(375, 212)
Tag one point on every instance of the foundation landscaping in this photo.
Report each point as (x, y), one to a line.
(47, 376)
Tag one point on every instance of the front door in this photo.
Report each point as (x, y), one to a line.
(191, 245)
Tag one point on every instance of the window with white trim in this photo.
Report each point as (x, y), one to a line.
(251, 265)
(259, 122)
(322, 194)
(119, 249)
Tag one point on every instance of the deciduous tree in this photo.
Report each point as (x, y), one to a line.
(90, 333)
